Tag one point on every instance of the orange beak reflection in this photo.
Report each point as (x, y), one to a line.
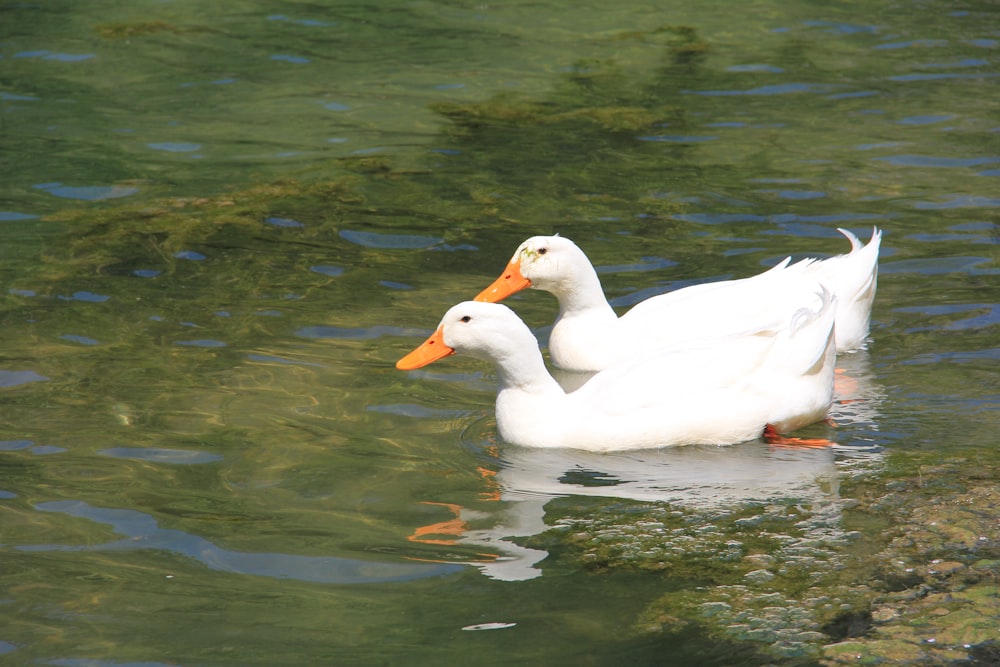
(429, 351)
(509, 282)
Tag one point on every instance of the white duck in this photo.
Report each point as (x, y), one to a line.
(589, 336)
(722, 393)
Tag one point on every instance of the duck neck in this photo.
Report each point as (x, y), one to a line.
(525, 371)
(584, 295)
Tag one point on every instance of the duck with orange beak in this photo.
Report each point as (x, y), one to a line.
(588, 335)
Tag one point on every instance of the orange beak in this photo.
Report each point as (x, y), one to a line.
(429, 351)
(509, 282)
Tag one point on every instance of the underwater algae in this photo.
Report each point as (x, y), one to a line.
(900, 567)
(776, 574)
(578, 140)
(135, 29)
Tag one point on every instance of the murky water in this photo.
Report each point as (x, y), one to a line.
(221, 225)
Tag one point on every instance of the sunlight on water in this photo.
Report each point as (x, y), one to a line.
(223, 224)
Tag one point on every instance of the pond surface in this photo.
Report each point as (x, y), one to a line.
(221, 224)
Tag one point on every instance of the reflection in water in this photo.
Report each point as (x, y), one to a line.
(141, 532)
(421, 129)
(692, 477)
(695, 478)
(857, 393)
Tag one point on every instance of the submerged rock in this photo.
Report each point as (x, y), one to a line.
(918, 585)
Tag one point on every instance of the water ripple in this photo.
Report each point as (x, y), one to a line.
(780, 218)
(85, 296)
(327, 270)
(342, 333)
(15, 378)
(389, 241)
(934, 77)
(796, 194)
(983, 314)
(175, 146)
(44, 450)
(298, 60)
(283, 222)
(960, 201)
(161, 455)
(88, 192)
(676, 138)
(924, 43)
(416, 411)
(854, 94)
(966, 62)
(13, 216)
(771, 69)
(842, 28)
(925, 120)
(933, 161)
(776, 89)
(939, 265)
(976, 357)
(142, 533)
(61, 57)
(12, 97)
(719, 218)
(201, 342)
(15, 445)
(312, 23)
(646, 264)
(270, 358)
(82, 340)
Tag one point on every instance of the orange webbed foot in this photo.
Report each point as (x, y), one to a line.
(775, 439)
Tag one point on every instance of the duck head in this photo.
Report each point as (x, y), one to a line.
(488, 331)
(548, 263)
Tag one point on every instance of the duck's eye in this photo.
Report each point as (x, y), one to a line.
(466, 319)
(542, 251)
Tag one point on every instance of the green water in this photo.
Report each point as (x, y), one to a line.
(221, 224)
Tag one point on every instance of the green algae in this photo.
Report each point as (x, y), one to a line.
(916, 585)
(135, 29)
(244, 276)
(563, 161)
(773, 575)
(98, 240)
(595, 106)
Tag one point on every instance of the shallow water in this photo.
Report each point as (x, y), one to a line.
(221, 226)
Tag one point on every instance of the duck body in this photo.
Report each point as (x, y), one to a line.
(853, 278)
(589, 336)
(719, 393)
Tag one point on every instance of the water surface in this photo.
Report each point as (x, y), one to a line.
(221, 226)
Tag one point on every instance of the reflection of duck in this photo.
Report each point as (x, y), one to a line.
(857, 393)
(141, 532)
(589, 336)
(720, 393)
(698, 478)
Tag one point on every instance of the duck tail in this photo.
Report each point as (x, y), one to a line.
(853, 278)
(811, 347)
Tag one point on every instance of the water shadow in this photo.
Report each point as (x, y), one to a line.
(141, 532)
